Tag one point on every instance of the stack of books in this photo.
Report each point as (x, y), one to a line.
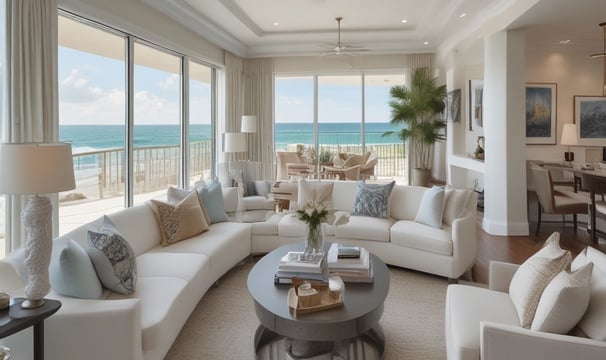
(351, 263)
(291, 265)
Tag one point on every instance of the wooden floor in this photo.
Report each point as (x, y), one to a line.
(516, 249)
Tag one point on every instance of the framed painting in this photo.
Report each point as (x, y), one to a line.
(590, 117)
(476, 91)
(453, 105)
(541, 110)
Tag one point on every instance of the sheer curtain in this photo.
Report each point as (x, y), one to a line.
(258, 82)
(234, 101)
(32, 86)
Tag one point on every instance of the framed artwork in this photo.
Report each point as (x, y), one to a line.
(453, 104)
(590, 117)
(476, 90)
(541, 110)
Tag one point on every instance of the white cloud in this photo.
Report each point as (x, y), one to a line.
(170, 83)
(76, 88)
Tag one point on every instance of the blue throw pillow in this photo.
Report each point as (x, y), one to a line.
(372, 200)
(211, 195)
(72, 273)
(431, 208)
(113, 258)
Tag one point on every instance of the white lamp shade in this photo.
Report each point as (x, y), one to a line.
(249, 124)
(569, 135)
(235, 142)
(36, 168)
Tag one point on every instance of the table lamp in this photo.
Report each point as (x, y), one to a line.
(569, 137)
(35, 169)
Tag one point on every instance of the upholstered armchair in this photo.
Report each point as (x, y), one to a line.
(355, 167)
(290, 163)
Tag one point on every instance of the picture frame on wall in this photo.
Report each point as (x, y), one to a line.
(590, 117)
(476, 92)
(453, 105)
(541, 113)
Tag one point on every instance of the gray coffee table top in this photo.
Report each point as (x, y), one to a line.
(362, 310)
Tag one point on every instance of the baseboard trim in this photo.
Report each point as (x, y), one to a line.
(505, 229)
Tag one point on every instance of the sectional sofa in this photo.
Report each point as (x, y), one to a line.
(173, 278)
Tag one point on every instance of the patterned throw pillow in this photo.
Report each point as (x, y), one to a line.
(179, 221)
(531, 278)
(175, 195)
(113, 258)
(372, 200)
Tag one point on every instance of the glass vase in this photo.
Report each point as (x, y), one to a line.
(314, 242)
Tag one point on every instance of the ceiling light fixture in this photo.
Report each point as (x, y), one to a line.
(276, 23)
(602, 55)
(426, 43)
(565, 42)
(463, 15)
(404, 21)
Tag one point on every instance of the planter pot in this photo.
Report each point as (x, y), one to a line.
(420, 177)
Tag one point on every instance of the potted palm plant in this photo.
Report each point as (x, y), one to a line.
(418, 109)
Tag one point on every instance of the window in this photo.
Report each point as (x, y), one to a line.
(294, 112)
(3, 120)
(200, 115)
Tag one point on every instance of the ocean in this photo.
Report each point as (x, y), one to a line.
(85, 138)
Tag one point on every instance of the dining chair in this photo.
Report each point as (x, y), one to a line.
(555, 202)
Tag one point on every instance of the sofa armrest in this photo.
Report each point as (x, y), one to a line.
(82, 329)
(504, 342)
(500, 275)
(464, 242)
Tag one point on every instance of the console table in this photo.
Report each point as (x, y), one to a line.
(15, 319)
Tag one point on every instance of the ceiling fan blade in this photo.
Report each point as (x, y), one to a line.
(340, 49)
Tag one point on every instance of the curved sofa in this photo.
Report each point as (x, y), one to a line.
(172, 279)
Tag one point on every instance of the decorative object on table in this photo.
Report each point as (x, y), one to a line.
(34, 169)
(476, 92)
(569, 138)
(479, 152)
(5, 353)
(295, 265)
(590, 117)
(541, 110)
(349, 269)
(603, 56)
(5, 301)
(313, 213)
(418, 109)
(306, 297)
(454, 105)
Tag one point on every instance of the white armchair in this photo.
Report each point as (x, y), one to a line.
(483, 323)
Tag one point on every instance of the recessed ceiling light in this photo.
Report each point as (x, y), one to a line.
(463, 15)
(276, 23)
(426, 43)
(564, 42)
(404, 21)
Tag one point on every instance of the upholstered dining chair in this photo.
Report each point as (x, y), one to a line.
(555, 202)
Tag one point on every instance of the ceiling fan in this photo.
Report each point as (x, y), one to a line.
(340, 49)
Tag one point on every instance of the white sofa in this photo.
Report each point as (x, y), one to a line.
(398, 240)
(172, 279)
(483, 323)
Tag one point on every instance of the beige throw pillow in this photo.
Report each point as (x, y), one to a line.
(179, 221)
(564, 301)
(175, 195)
(533, 275)
(320, 191)
(455, 204)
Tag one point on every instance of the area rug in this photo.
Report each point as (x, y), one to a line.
(223, 324)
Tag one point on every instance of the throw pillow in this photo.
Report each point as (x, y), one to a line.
(175, 195)
(531, 278)
(320, 191)
(431, 208)
(592, 323)
(372, 199)
(179, 221)
(113, 258)
(353, 160)
(564, 301)
(262, 187)
(211, 195)
(455, 204)
(72, 273)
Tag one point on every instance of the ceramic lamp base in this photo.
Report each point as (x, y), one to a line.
(569, 156)
(32, 304)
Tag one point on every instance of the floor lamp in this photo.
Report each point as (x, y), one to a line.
(569, 138)
(34, 169)
(248, 126)
(234, 142)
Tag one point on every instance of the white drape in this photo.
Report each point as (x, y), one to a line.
(258, 83)
(234, 99)
(32, 85)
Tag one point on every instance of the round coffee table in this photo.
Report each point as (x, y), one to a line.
(353, 329)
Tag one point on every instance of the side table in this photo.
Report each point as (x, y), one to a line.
(15, 319)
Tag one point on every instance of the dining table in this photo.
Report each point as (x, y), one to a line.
(593, 181)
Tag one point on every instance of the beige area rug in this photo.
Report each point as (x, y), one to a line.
(223, 324)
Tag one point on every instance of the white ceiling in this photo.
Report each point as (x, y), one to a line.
(307, 27)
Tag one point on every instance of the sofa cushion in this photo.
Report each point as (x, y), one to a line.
(291, 226)
(534, 274)
(72, 273)
(365, 228)
(372, 199)
(257, 202)
(422, 237)
(175, 195)
(455, 204)
(179, 221)
(113, 258)
(564, 301)
(268, 227)
(169, 264)
(466, 307)
(592, 323)
(212, 197)
(431, 209)
(320, 191)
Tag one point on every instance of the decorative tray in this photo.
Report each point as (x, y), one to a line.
(322, 299)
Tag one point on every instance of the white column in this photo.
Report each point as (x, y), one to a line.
(504, 131)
